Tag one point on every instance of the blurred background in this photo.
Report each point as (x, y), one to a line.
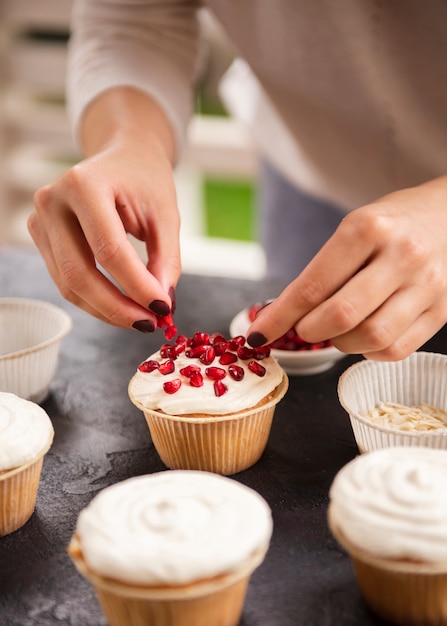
(216, 181)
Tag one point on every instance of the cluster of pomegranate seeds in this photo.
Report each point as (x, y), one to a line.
(290, 340)
(167, 322)
(212, 351)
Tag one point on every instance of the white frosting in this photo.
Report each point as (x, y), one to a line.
(25, 430)
(147, 388)
(393, 503)
(173, 527)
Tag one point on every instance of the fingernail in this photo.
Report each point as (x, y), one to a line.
(159, 307)
(256, 340)
(144, 326)
(171, 293)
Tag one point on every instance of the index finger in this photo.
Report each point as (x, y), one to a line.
(343, 255)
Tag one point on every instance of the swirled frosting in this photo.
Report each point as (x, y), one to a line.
(147, 388)
(393, 503)
(173, 527)
(25, 430)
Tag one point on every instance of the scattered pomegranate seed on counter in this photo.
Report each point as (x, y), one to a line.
(290, 340)
(207, 349)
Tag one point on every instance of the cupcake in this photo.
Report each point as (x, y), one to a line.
(209, 401)
(26, 434)
(388, 510)
(402, 403)
(172, 548)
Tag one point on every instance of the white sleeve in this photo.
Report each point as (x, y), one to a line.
(151, 45)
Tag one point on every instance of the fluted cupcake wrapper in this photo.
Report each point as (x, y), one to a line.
(18, 494)
(408, 593)
(420, 378)
(224, 444)
(30, 346)
(216, 601)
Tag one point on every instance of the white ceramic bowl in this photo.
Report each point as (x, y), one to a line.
(294, 362)
(420, 378)
(31, 332)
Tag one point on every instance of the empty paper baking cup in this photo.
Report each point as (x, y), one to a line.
(31, 332)
(224, 444)
(419, 379)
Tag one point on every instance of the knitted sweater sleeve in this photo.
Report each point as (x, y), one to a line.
(151, 45)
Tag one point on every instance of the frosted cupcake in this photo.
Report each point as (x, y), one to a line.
(209, 401)
(388, 509)
(26, 434)
(172, 548)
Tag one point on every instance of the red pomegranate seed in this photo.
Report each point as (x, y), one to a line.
(167, 367)
(171, 386)
(220, 388)
(149, 366)
(245, 353)
(256, 368)
(166, 350)
(208, 356)
(262, 353)
(170, 332)
(195, 352)
(221, 347)
(177, 349)
(216, 338)
(236, 372)
(239, 339)
(181, 339)
(227, 358)
(200, 339)
(188, 370)
(196, 379)
(215, 373)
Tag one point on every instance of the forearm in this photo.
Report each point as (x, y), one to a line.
(124, 114)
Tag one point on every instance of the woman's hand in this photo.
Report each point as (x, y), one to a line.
(378, 287)
(81, 220)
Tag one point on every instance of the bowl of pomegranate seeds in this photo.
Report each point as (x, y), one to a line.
(209, 401)
(296, 356)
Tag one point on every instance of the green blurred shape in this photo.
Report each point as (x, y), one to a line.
(230, 209)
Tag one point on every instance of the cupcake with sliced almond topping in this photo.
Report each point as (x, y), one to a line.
(209, 401)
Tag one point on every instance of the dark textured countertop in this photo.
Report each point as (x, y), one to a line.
(102, 438)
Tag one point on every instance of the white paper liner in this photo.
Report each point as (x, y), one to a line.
(30, 335)
(420, 378)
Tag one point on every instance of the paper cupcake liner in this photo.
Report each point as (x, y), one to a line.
(422, 377)
(30, 343)
(402, 592)
(18, 494)
(216, 601)
(224, 444)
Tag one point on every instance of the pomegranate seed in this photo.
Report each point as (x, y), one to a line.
(216, 338)
(245, 353)
(262, 353)
(149, 366)
(236, 372)
(227, 358)
(220, 347)
(170, 332)
(167, 367)
(215, 373)
(200, 339)
(220, 388)
(239, 339)
(196, 379)
(177, 349)
(181, 339)
(256, 368)
(208, 356)
(171, 386)
(188, 370)
(195, 352)
(165, 351)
